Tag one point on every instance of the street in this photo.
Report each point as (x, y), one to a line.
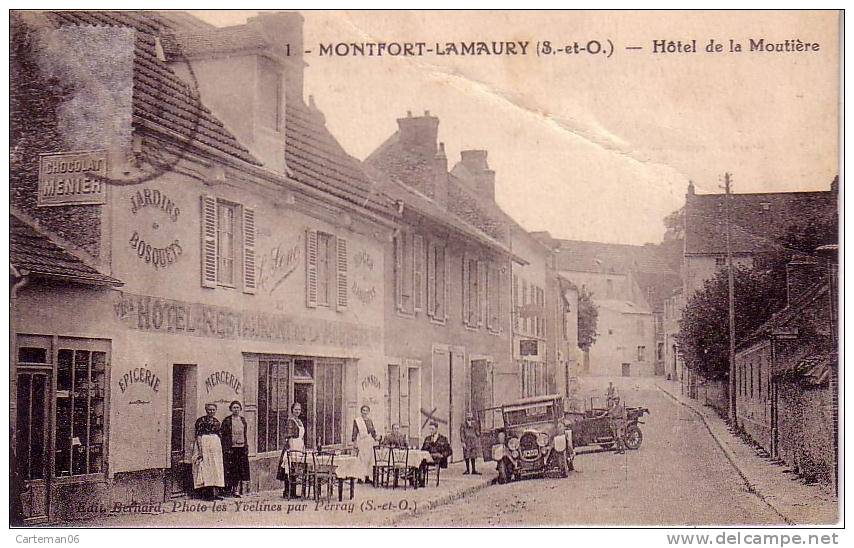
(678, 477)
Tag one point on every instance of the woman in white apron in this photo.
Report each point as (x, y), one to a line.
(365, 438)
(294, 441)
(208, 469)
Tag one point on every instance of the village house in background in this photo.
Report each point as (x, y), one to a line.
(629, 284)
(786, 372)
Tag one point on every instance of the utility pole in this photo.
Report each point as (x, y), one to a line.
(731, 283)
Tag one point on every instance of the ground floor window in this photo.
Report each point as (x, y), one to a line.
(78, 398)
(274, 383)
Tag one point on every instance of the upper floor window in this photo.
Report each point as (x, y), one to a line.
(437, 281)
(228, 244)
(326, 270)
(720, 261)
(472, 288)
(641, 353)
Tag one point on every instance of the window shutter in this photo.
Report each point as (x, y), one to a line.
(418, 272)
(311, 268)
(209, 241)
(446, 281)
(398, 272)
(466, 291)
(341, 272)
(431, 279)
(249, 280)
(250, 400)
(481, 292)
(515, 302)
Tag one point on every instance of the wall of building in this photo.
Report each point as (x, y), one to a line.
(699, 268)
(753, 392)
(443, 352)
(617, 344)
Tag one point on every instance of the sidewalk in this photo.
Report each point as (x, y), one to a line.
(370, 507)
(795, 502)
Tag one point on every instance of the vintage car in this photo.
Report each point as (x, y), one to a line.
(527, 437)
(593, 426)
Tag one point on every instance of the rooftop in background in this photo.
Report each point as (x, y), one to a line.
(34, 253)
(603, 258)
(759, 220)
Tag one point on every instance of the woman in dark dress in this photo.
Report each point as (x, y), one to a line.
(235, 450)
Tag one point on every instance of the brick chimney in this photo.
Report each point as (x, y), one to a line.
(418, 136)
(483, 178)
(802, 274)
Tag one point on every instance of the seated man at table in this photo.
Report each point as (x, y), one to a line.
(396, 438)
(437, 445)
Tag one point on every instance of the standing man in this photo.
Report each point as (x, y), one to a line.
(617, 414)
(235, 450)
(610, 394)
(470, 437)
(208, 474)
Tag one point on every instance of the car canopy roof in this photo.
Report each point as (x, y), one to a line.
(524, 402)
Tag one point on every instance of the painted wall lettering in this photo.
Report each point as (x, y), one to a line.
(142, 376)
(153, 314)
(147, 197)
(158, 257)
(366, 296)
(363, 258)
(371, 381)
(276, 265)
(222, 377)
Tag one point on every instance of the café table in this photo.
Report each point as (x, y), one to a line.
(346, 468)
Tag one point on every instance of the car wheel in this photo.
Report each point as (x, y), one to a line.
(562, 464)
(503, 472)
(634, 437)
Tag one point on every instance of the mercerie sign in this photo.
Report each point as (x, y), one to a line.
(72, 178)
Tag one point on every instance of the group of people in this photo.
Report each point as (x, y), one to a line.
(220, 453)
(617, 417)
(221, 449)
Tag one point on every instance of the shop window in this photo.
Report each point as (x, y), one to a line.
(228, 241)
(80, 410)
(272, 405)
(437, 276)
(326, 270)
(329, 402)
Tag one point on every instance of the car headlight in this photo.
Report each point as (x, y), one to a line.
(542, 439)
(513, 444)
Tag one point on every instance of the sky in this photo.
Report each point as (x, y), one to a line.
(594, 147)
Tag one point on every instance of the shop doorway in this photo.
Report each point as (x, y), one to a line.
(304, 395)
(32, 457)
(183, 424)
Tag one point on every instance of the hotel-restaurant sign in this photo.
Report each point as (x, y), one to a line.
(157, 315)
(72, 178)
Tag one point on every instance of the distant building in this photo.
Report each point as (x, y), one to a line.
(628, 284)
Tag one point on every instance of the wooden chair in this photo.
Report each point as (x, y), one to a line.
(426, 470)
(382, 465)
(323, 467)
(299, 473)
(403, 470)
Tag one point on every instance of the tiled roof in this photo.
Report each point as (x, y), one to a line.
(758, 220)
(33, 252)
(598, 257)
(474, 209)
(160, 97)
(317, 160)
(216, 40)
(423, 205)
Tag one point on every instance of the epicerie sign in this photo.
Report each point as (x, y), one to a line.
(72, 178)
